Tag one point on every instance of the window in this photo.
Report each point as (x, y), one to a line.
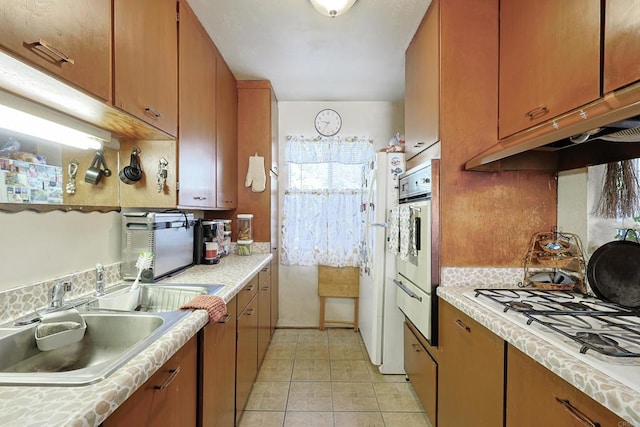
(322, 221)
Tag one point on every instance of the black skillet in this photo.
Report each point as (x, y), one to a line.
(614, 272)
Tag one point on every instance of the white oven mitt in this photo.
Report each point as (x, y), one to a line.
(256, 176)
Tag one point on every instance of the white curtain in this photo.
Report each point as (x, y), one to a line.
(322, 219)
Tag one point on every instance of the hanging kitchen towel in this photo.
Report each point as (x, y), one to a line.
(405, 231)
(214, 305)
(256, 176)
(413, 237)
(393, 231)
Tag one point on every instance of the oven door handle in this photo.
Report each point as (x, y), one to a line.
(406, 290)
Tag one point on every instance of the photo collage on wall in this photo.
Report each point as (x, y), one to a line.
(27, 182)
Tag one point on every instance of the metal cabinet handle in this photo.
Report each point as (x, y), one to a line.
(461, 324)
(407, 290)
(152, 112)
(250, 312)
(52, 50)
(537, 112)
(265, 269)
(172, 376)
(576, 413)
(249, 288)
(225, 318)
(416, 347)
(418, 144)
(265, 288)
(199, 198)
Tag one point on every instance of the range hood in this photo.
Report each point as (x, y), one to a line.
(603, 131)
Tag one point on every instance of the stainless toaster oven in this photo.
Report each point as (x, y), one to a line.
(169, 235)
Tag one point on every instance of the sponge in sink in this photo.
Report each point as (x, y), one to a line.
(59, 329)
(46, 329)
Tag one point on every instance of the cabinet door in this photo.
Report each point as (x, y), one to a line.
(219, 370)
(531, 387)
(621, 41)
(197, 138)
(145, 61)
(227, 138)
(274, 291)
(422, 85)
(247, 354)
(470, 372)
(549, 60)
(264, 313)
(422, 370)
(168, 398)
(255, 135)
(69, 38)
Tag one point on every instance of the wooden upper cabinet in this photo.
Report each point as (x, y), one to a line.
(145, 61)
(422, 84)
(69, 38)
(257, 125)
(621, 43)
(549, 60)
(227, 138)
(197, 137)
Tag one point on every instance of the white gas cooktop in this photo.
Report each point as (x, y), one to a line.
(603, 335)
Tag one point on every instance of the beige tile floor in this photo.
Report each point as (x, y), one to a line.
(324, 378)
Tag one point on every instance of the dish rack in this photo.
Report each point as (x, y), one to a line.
(163, 299)
(555, 260)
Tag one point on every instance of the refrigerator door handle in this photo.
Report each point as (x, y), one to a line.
(377, 224)
(407, 290)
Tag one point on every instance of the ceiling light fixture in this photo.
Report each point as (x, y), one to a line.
(25, 117)
(332, 8)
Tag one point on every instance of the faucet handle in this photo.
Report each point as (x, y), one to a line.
(67, 286)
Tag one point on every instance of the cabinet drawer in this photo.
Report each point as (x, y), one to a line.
(530, 387)
(247, 293)
(168, 398)
(264, 274)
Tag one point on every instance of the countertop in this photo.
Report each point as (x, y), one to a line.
(617, 397)
(91, 404)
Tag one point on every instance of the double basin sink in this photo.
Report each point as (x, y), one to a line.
(118, 328)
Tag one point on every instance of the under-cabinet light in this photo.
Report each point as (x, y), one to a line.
(332, 8)
(27, 118)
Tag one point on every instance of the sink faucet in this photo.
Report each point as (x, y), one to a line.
(57, 294)
(99, 280)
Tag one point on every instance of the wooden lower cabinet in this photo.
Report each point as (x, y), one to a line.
(421, 370)
(218, 371)
(264, 312)
(274, 291)
(247, 345)
(538, 397)
(168, 398)
(470, 372)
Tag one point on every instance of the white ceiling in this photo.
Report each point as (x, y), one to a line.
(358, 56)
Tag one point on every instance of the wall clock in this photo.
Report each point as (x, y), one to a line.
(328, 122)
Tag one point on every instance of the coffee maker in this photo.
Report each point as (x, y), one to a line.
(207, 241)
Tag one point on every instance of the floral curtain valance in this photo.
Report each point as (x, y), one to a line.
(347, 150)
(322, 222)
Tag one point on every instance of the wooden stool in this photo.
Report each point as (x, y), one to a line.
(338, 282)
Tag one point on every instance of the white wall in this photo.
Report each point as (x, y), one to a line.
(43, 246)
(578, 196)
(299, 302)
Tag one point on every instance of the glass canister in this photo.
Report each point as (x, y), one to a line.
(245, 227)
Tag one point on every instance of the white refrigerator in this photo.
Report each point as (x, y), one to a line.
(380, 320)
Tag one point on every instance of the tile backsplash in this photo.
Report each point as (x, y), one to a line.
(17, 302)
